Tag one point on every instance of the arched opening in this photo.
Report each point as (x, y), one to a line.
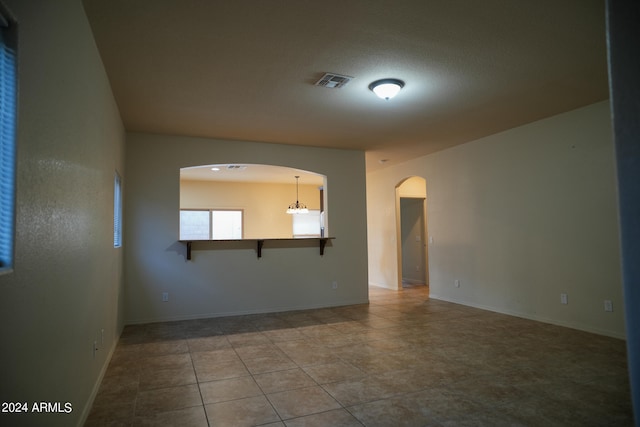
(411, 233)
(250, 201)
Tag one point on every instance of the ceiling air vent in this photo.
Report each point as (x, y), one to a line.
(236, 167)
(333, 81)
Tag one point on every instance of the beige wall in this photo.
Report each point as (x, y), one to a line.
(518, 217)
(264, 205)
(66, 286)
(413, 187)
(225, 279)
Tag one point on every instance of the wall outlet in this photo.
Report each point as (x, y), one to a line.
(608, 305)
(334, 285)
(456, 283)
(564, 299)
(165, 296)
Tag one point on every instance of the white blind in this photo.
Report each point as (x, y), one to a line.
(117, 211)
(8, 85)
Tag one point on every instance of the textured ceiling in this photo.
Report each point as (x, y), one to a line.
(245, 69)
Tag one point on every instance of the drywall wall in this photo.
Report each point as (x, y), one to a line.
(226, 279)
(66, 285)
(518, 218)
(264, 205)
(413, 187)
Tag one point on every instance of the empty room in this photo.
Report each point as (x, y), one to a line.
(287, 213)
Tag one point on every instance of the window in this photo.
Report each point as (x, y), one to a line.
(8, 85)
(210, 224)
(307, 225)
(117, 211)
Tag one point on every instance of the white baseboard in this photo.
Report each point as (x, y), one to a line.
(579, 327)
(96, 387)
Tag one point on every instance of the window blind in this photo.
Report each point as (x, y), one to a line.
(8, 85)
(117, 211)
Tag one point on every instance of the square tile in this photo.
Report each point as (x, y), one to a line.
(301, 402)
(251, 411)
(230, 389)
(219, 371)
(164, 347)
(261, 365)
(162, 378)
(333, 372)
(334, 418)
(150, 402)
(168, 361)
(188, 417)
(356, 391)
(208, 343)
(395, 412)
(256, 351)
(284, 380)
(247, 338)
(214, 356)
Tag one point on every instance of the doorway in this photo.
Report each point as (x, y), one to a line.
(411, 229)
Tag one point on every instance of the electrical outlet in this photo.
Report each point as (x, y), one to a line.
(608, 305)
(334, 285)
(165, 296)
(564, 299)
(457, 283)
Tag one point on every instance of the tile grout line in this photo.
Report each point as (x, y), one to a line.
(195, 374)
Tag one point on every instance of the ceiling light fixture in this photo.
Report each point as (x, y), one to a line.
(297, 207)
(386, 88)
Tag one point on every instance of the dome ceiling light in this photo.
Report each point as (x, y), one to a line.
(386, 88)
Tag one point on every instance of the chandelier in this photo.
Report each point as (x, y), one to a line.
(297, 207)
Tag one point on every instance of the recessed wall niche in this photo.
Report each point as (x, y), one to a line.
(249, 201)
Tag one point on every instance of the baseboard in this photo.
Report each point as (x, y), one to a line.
(413, 281)
(579, 327)
(96, 386)
(384, 286)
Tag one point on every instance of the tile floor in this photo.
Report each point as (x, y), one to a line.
(402, 360)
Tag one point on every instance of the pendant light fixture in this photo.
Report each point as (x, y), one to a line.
(297, 207)
(386, 88)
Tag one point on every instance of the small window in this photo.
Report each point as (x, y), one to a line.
(8, 93)
(307, 225)
(210, 224)
(194, 225)
(226, 224)
(117, 211)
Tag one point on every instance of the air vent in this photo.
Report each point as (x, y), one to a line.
(236, 167)
(333, 81)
